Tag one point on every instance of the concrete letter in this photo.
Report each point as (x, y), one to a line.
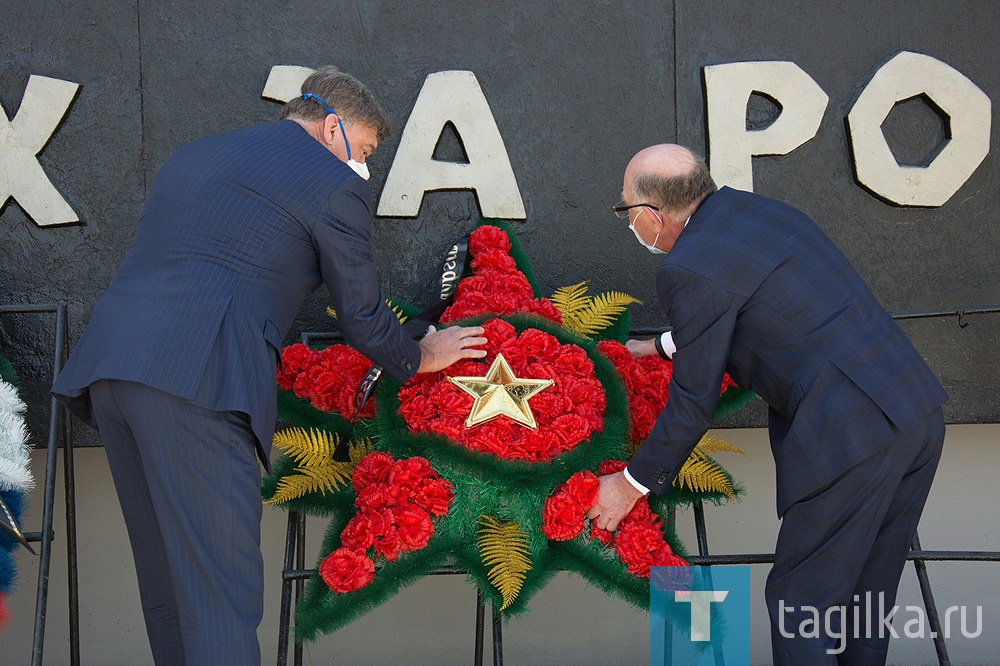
(968, 108)
(727, 91)
(43, 106)
(452, 96)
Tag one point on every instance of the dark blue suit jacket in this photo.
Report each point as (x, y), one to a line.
(237, 230)
(754, 288)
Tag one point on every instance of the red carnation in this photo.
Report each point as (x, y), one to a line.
(376, 496)
(346, 570)
(562, 517)
(611, 467)
(582, 487)
(434, 496)
(493, 260)
(637, 544)
(606, 537)
(543, 307)
(410, 471)
(294, 359)
(373, 468)
(498, 331)
(487, 237)
(362, 530)
(415, 527)
(389, 545)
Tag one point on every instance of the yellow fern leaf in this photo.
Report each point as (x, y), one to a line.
(359, 448)
(312, 450)
(310, 447)
(311, 480)
(701, 473)
(571, 299)
(600, 313)
(504, 548)
(396, 310)
(710, 444)
(589, 315)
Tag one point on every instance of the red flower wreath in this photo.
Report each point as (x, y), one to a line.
(396, 500)
(568, 412)
(639, 542)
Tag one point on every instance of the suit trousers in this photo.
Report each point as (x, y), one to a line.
(841, 551)
(188, 482)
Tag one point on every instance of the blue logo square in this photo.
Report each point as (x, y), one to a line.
(699, 616)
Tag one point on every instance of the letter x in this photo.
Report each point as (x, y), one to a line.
(44, 104)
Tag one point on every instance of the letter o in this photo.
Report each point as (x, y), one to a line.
(905, 76)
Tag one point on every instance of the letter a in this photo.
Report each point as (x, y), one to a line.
(453, 96)
(43, 106)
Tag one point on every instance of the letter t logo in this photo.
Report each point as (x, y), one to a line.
(701, 611)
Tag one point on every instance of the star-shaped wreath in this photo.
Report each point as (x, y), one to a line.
(492, 464)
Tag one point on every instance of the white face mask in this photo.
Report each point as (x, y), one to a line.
(652, 248)
(360, 168)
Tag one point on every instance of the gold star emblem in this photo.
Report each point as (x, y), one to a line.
(500, 393)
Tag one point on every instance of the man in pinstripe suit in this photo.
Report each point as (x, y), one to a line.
(177, 364)
(754, 288)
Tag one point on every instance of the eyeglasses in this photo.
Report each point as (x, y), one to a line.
(621, 210)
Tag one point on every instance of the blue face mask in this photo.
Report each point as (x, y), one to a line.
(359, 167)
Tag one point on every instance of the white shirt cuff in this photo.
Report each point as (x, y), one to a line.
(635, 484)
(667, 342)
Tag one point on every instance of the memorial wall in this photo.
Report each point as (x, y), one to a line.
(874, 118)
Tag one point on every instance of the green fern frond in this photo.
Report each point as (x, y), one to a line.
(589, 315)
(504, 548)
(317, 471)
(701, 473)
(396, 310)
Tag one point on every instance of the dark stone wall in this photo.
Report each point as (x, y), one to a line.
(575, 88)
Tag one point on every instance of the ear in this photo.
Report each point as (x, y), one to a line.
(330, 127)
(661, 219)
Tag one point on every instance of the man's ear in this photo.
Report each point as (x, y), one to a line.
(330, 128)
(662, 220)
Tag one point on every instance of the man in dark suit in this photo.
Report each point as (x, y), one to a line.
(754, 288)
(177, 364)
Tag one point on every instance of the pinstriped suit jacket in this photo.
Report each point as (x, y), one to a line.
(753, 287)
(237, 230)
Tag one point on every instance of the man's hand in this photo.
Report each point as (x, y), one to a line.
(642, 347)
(439, 349)
(615, 499)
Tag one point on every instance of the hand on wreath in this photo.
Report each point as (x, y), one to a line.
(641, 347)
(615, 498)
(439, 349)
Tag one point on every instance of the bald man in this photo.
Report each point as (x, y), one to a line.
(754, 288)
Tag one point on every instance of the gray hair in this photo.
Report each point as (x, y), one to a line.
(350, 98)
(675, 193)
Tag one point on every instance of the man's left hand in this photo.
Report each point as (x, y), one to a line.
(441, 348)
(615, 499)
